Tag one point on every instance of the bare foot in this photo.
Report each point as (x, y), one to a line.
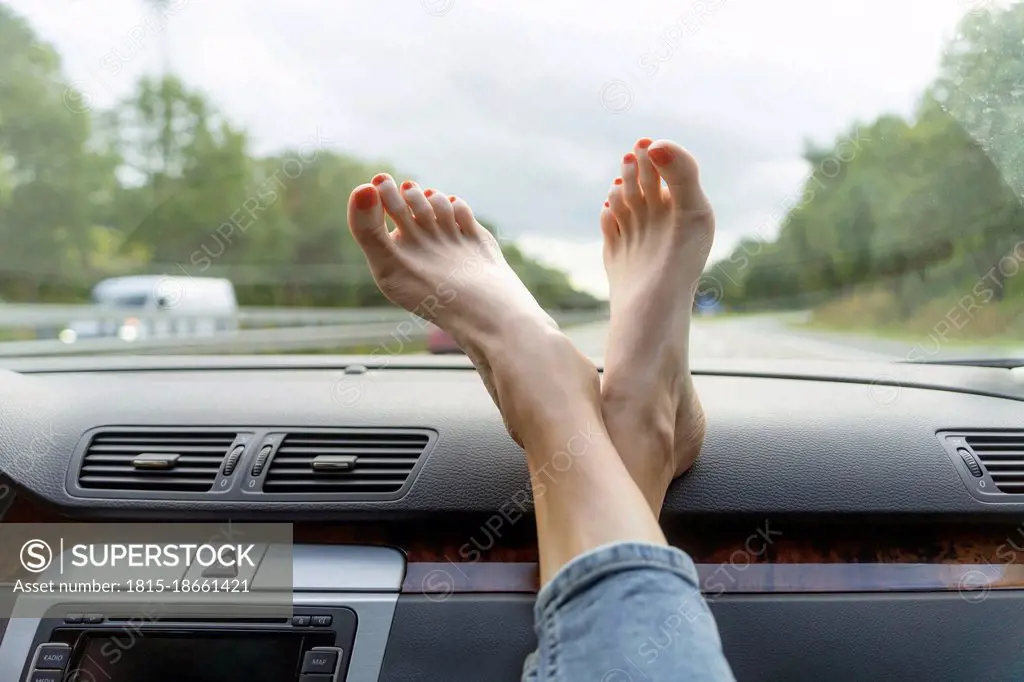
(442, 265)
(656, 243)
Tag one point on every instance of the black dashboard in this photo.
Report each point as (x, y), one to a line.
(889, 497)
(784, 438)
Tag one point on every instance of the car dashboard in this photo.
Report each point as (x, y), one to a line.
(849, 521)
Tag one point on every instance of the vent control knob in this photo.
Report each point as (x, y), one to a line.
(231, 461)
(970, 461)
(261, 460)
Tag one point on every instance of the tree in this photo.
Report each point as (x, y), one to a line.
(925, 207)
(164, 183)
(53, 184)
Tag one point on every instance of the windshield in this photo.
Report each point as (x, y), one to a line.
(865, 161)
(123, 301)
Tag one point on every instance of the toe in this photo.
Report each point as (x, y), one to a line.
(465, 219)
(680, 171)
(631, 185)
(443, 212)
(609, 226)
(618, 207)
(421, 209)
(366, 221)
(394, 204)
(650, 181)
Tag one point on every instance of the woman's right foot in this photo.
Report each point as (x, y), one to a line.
(656, 242)
(441, 264)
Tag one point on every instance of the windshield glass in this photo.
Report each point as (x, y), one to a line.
(865, 161)
(125, 301)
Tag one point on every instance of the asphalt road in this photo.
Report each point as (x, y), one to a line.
(781, 337)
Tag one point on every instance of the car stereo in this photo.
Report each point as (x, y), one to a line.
(335, 630)
(313, 646)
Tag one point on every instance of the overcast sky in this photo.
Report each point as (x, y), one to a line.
(525, 108)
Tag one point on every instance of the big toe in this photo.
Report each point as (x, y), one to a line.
(681, 173)
(366, 222)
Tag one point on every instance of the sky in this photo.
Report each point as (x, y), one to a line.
(525, 108)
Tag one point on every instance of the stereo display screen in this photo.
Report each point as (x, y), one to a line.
(171, 657)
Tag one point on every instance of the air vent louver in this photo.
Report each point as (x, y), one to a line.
(1002, 456)
(113, 460)
(345, 462)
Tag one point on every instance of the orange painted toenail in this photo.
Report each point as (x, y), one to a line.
(378, 179)
(366, 198)
(660, 155)
(428, 192)
(644, 142)
(407, 185)
(618, 181)
(451, 199)
(629, 158)
(607, 205)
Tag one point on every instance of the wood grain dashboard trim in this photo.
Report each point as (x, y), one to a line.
(498, 553)
(973, 582)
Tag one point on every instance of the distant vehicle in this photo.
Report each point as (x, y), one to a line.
(708, 306)
(439, 343)
(157, 306)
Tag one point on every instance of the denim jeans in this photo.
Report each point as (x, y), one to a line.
(627, 612)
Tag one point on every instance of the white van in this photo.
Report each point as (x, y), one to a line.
(158, 306)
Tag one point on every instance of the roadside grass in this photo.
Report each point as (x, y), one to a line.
(994, 324)
(733, 315)
(381, 350)
(906, 336)
(17, 334)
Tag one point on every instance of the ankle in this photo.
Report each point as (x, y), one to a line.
(526, 359)
(646, 431)
(521, 348)
(494, 332)
(628, 410)
(690, 430)
(639, 406)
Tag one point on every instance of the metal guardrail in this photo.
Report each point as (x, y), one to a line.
(59, 315)
(359, 328)
(242, 341)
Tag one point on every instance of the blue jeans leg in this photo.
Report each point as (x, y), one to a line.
(628, 612)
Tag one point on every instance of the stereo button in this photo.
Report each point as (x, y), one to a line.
(320, 621)
(46, 675)
(53, 656)
(300, 621)
(320, 661)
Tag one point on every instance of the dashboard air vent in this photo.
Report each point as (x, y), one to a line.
(376, 462)
(154, 460)
(1002, 456)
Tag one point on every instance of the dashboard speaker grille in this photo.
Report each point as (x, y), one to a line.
(163, 460)
(374, 462)
(1002, 456)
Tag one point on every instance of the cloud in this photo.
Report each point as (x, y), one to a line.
(501, 103)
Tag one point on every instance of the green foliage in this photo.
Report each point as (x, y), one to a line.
(903, 215)
(164, 184)
(52, 184)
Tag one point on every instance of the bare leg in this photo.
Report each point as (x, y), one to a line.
(441, 264)
(657, 241)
